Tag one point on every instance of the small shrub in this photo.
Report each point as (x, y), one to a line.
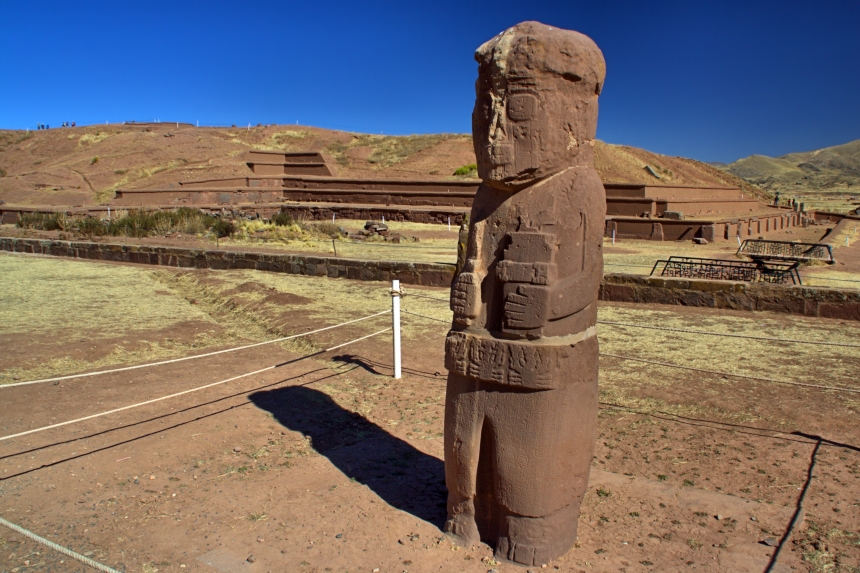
(603, 492)
(2, 172)
(328, 229)
(44, 221)
(28, 220)
(223, 228)
(662, 477)
(193, 226)
(94, 160)
(688, 482)
(283, 219)
(120, 171)
(466, 170)
(90, 227)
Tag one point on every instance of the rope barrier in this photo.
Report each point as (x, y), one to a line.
(445, 300)
(144, 403)
(750, 337)
(427, 317)
(670, 365)
(56, 547)
(147, 365)
(669, 329)
(356, 340)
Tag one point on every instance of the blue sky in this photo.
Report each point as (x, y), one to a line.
(711, 80)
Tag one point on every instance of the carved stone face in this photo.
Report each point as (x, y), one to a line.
(536, 103)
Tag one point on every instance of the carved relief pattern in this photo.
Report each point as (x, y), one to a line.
(521, 364)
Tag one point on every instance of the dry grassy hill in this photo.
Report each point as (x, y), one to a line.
(85, 165)
(829, 169)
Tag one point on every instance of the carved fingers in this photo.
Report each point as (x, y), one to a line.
(465, 297)
(526, 307)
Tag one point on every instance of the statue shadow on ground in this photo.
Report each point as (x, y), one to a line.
(382, 368)
(403, 476)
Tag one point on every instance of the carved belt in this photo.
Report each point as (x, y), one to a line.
(537, 364)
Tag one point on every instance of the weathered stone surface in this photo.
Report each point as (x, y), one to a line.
(521, 405)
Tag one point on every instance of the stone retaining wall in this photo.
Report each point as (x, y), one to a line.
(807, 301)
(427, 274)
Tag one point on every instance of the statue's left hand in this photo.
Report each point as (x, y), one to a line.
(527, 307)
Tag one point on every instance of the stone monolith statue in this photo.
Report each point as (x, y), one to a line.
(521, 404)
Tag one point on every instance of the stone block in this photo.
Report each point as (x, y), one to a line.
(839, 310)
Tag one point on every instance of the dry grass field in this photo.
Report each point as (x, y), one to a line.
(326, 463)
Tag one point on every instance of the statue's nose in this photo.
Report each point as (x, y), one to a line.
(497, 130)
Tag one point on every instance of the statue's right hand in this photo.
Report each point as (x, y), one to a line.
(464, 295)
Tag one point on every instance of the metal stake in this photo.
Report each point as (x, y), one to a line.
(395, 325)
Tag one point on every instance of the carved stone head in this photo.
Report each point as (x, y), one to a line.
(536, 103)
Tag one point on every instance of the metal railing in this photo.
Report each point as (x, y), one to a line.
(729, 270)
(786, 250)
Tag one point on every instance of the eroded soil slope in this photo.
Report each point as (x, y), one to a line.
(85, 165)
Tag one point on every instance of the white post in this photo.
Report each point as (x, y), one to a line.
(395, 325)
(383, 219)
(332, 217)
(449, 224)
(108, 212)
(613, 236)
(739, 240)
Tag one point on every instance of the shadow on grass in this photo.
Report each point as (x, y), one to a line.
(403, 476)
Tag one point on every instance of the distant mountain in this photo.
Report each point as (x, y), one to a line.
(828, 169)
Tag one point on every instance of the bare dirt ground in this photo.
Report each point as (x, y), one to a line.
(325, 463)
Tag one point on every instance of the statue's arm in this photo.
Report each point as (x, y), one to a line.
(531, 306)
(466, 292)
(573, 294)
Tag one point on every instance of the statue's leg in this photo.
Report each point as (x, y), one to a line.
(463, 419)
(538, 540)
(545, 444)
